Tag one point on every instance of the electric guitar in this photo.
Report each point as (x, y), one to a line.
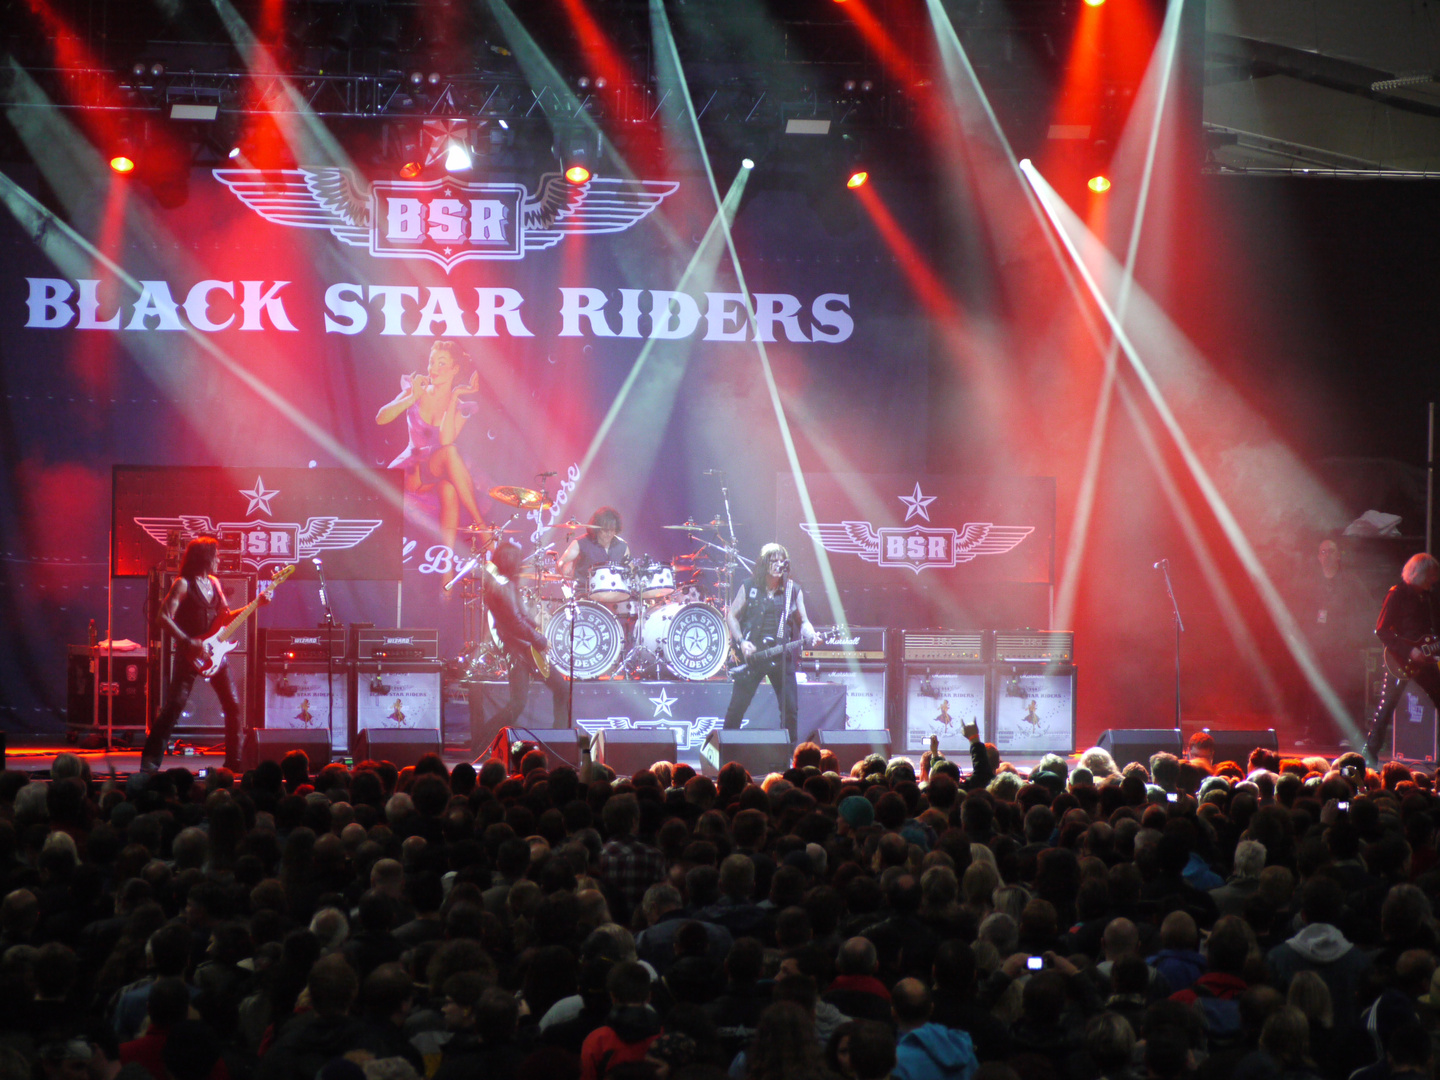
(219, 642)
(769, 652)
(1401, 666)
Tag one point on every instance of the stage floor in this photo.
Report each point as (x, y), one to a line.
(36, 753)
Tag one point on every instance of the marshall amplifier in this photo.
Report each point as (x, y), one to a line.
(1034, 647)
(947, 646)
(302, 646)
(864, 643)
(405, 646)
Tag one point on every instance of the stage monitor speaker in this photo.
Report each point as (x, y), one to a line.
(855, 745)
(1236, 745)
(272, 744)
(628, 752)
(1139, 744)
(761, 752)
(400, 748)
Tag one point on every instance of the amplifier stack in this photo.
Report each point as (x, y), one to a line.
(856, 657)
(398, 701)
(306, 681)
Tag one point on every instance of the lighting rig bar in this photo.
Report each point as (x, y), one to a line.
(509, 97)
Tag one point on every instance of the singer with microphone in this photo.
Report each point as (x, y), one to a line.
(766, 616)
(435, 413)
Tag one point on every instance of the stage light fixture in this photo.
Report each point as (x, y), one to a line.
(433, 78)
(850, 86)
(858, 178)
(583, 82)
(122, 163)
(1098, 184)
(234, 153)
(411, 169)
(137, 69)
(601, 82)
(866, 86)
(504, 124)
(457, 158)
(747, 163)
(417, 78)
(1094, 3)
(157, 70)
(577, 174)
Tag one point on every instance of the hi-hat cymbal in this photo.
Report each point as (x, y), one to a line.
(523, 498)
(571, 526)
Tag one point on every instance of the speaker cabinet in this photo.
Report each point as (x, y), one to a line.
(1414, 725)
(1236, 745)
(307, 697)
(400, 698)
(272, 744)
(1139, 744)
(855, 745)
(400, 748)
(628, 752)
(761, 752)
(939, 699)
(1034, 708)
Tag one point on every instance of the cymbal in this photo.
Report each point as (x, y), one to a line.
(485, 530)
(716, 523)
(571, 526)
(523, 498)
(689, 526)
(543, 575)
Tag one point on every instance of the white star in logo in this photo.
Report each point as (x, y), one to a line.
(663, 703)
(260, 497)
(916, 504)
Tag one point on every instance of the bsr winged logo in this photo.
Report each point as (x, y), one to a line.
(917, 547)
(266, 543)
(447, 221)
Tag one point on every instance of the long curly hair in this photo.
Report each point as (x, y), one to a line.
(784, 1047)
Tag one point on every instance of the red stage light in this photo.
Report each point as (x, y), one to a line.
(577, 174)
(122, 163)
(410, 170)
(858, 178)
(1094, 3)
(1098, 184)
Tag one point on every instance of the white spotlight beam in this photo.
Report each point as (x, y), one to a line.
(1279, 614)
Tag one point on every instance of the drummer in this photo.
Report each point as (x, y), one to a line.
(600, 545)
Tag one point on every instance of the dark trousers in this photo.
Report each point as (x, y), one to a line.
(182, 681)
(522, 670)
(782, 678)
(1428, 679)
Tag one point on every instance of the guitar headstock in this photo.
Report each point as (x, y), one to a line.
(281, 575)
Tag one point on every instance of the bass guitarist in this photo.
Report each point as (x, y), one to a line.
(190, 611)
(766, 612)
(1407, 625)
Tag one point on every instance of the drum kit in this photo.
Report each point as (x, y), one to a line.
(638, 618)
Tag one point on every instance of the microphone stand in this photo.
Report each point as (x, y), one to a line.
(1164, 567)
(329, 656)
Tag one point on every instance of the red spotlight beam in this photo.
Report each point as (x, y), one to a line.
(927, 285)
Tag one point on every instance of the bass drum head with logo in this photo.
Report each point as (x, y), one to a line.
(597, 635)
(691, 639)
(608, 584)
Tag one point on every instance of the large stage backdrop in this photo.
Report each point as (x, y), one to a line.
(262, 327)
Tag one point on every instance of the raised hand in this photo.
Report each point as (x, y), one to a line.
(472, 387)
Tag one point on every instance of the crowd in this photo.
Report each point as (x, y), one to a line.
(1176, 918)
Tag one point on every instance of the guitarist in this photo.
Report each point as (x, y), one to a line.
(768, 610)
(188, 613)
(1407, 618)
(519, 635)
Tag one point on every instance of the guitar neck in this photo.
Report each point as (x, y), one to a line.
(228, 630)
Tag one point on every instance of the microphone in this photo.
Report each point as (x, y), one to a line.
(318, 564)
(1159, 565)
(550, 473)
(714, 472)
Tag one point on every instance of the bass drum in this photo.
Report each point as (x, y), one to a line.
(690, 639)
(597, 636)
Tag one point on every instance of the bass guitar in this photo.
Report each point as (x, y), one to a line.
(769, 652)
(219, 641)
(1402, 666)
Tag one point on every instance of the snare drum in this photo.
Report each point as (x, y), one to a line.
(690, 639)
(656, 580)
(608, 584)
(597, 636)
